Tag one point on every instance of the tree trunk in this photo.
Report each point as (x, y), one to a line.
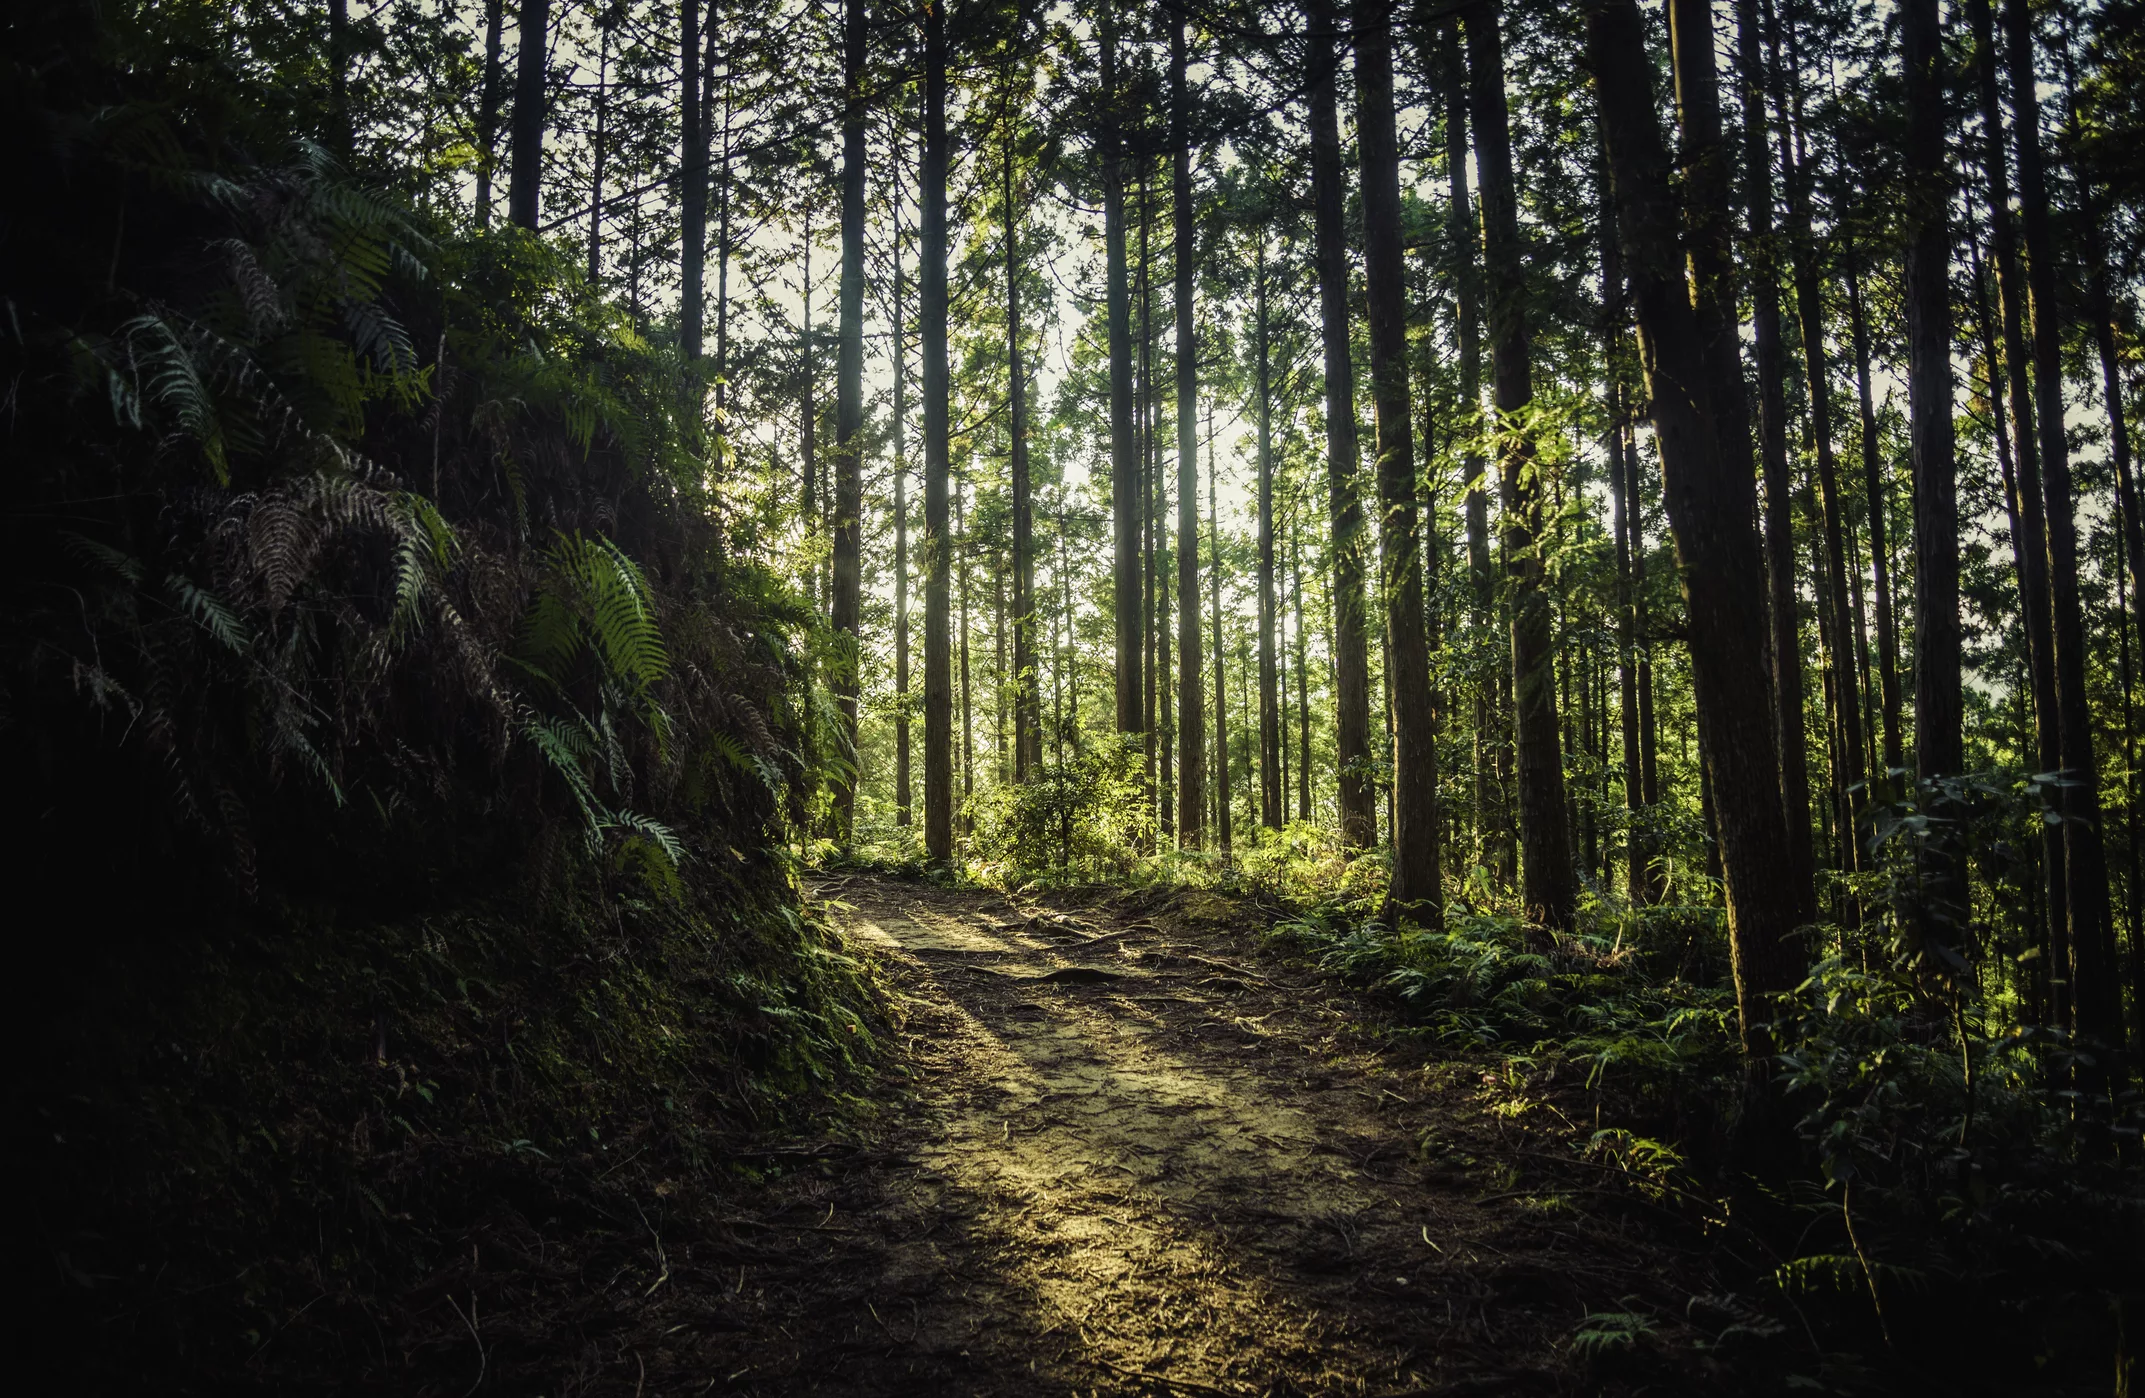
(903, 795)
(1271, 814)
(1150, 510)
(2134, 551)
(1222, 832)
(1126, 495)
(1489, 815)
(938, 560)
(491, 95)
(1351, 661)
(1638, 855)
(847, 604)
(1027, 700)
(1417, 889)
(1711, 510)
(599, 149)
(1875, 494)
(1191, 793)
(1762, 263)
(1809, 306)
(532, 69)
(1303, 686)
(722, 258)
(968, 730)
(339, 134)
(2032, 551)
(692, 187)
(2094, 987)
(1549, 885)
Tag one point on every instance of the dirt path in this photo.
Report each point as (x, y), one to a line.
(1140, 1156)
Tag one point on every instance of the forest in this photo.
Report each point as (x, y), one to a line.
(1108, 697)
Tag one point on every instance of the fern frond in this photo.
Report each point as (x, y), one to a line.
(214, 615)
(128, 568)
(165, 373)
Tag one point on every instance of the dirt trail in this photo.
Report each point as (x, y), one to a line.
(1141, 1156)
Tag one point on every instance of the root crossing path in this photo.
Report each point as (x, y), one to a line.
(1139, 1155)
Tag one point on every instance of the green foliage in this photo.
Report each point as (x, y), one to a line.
(1079, 820)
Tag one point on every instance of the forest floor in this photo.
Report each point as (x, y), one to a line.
(1127, 1147)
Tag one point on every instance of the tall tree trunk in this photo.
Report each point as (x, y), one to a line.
(1157, 505)
(491, 94)
(1810, 312)
(2095, 988)
(1222, 832)
(692, 187)
(2025, 548)
(1489, 814)
(2134, 551)
(938, 560)
(600, 148)
(532, 69)
(1417, 888)
(1549, 885)
(2032, 550)
(847, 607)
(1303, 684)
(1027, 700)
(808, 417)
(1150, 507)
(339, 134)
(1270, 782)
(1351, 660)
(1638, 855)
(1874, 492)
(1191, 793)
(1762, 264)
(968, 729)
(903, 794)
(1711, 510)
(1126, 495)
(722, 258)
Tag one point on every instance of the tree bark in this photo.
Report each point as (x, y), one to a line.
(1490, 820)
(490, 97)
(1027, 699)
(2032, 550)
(692, 187)
(1638, 852)
(1223, 823)
(903, 793)
(1711, 511)
(1417, 889)
(847, 602)
(1150, 511)
(2095, 988)
(1874, 493)
(600, 148)
(1351, 661)
(1191, 792)
(1303, 685)
(1549, 885)
(1809, 307)
(1762, 263)
(938, 560)
(532, 68)
(1271, 814)
(1126, 494)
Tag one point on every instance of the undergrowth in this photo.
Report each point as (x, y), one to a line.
(412, 752)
